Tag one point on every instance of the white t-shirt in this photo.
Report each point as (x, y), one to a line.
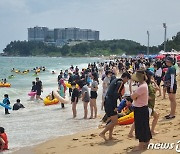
(158, 72)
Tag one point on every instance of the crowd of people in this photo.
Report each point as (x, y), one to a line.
(143, 76)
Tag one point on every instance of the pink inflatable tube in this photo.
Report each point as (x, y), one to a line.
(32, 93)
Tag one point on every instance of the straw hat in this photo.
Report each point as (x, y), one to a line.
(139, 76)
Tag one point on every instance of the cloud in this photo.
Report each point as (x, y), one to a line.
(115, 19)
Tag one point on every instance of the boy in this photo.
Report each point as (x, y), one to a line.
(17, 105)
(125, 107)
(6, 102)
(74, 98)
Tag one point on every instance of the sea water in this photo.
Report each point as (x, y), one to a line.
(38, 123)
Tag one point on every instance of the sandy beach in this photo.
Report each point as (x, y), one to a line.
(89, 142)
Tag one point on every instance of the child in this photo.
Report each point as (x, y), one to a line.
(6, 102)
(94, 88)
(62, 90)
(3, 140)
(85, 99)
(126, 102)
(17, 105)
(33, 89)
(74, 98)
(125, 107)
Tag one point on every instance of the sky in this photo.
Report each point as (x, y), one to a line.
(115, 19)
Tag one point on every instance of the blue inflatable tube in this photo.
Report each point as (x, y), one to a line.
(5, 106)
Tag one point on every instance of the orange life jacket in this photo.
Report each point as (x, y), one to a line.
(4, 137)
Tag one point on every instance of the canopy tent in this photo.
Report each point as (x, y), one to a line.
(172, 52)
(123, 55)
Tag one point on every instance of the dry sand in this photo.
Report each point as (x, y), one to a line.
(89, 142)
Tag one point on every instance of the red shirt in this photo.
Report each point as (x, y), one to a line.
(4, 137)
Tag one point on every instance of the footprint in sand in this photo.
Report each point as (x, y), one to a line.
(51, 148)
(85, 144)
(165, 130)
(128, 149)
(69, 147)
(75, 139)
(161, 124)
(93, 135)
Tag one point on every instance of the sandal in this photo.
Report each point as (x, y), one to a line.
(170, 117)
(167, 116)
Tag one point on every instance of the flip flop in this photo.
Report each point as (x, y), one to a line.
(170, 117)
(167, 116)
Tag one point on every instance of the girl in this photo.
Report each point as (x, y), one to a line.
(94, 88)
(62, 90)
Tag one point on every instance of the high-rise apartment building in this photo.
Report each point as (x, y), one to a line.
(37, 33)
(61, 34)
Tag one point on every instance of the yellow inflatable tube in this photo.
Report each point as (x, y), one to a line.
(5, 85)
(38, 70)
(126, 120)
(47, 101)
(57, 99)
(69, 85)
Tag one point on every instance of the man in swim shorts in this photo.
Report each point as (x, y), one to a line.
(115, 91)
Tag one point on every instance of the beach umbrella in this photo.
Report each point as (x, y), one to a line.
(178, 57)
(160, 57)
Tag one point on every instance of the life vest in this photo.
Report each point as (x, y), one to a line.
(4, 137)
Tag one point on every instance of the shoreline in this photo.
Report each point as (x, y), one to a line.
(89, 141)
(73, 56)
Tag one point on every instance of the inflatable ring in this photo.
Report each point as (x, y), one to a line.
(47, 101)
(17, 71)
(69, 85)
(127, 119)
(5, 106)
(38, 70)
(5, 85)
(24, 72)
(31, 93)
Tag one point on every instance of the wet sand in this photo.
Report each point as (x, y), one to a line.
(89, 142)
